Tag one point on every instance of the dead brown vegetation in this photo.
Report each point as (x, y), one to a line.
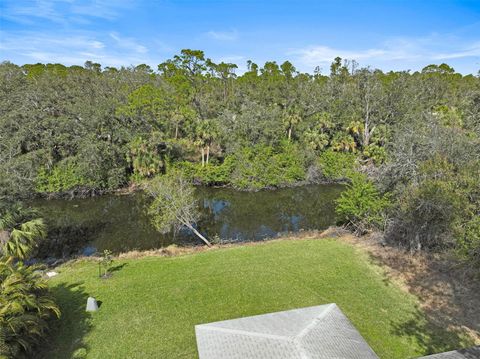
(448, 291)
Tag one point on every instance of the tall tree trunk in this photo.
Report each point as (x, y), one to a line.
(176, 131)
(208, 153)
(203, 156)
(367, 133)
(198, 234)
(290, 133)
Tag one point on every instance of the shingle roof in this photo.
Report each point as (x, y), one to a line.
(318, 332)
(472, 353)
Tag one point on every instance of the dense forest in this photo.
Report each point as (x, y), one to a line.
(407, 143)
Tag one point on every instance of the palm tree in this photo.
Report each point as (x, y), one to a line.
(343, 142)
(25, 307)
(206, 132)
(19, 232)
(25, 303)
(291, 118)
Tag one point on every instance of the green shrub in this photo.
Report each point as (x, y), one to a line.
(26, 308)
(267, 166)
(337, 166)
(103, 165)
(62, 177)
(361, 206)
(375, 153)
(211, 173)
(469, 243)
(98, 166)
(80, 353)
(431, 212)
(254, 167)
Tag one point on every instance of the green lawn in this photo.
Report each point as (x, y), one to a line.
(150, 305)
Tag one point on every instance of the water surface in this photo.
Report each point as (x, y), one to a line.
(119, 222)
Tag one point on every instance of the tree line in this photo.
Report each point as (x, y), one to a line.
(407, 142)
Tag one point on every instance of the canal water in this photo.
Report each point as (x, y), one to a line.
(119, 223)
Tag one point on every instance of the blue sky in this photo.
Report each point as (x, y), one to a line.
(390, 35)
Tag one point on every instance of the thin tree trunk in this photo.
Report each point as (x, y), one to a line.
(366, 134)
(176, 131)
(208, 153)
(199, 235)
(203, 156)
(290, 133)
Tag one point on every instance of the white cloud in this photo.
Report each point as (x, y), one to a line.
(25, 13)
(63, 11)
(231, 59)
(106, 9)
(223, 35)
(128, 43)
(73, 48)
(399, 52)
(313, 55)
(97, 44)
(470, 51)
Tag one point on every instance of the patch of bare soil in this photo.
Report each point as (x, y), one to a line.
(449, 292)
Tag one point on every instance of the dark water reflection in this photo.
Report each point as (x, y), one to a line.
(119, 222)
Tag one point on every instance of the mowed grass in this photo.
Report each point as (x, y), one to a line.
(150, 305)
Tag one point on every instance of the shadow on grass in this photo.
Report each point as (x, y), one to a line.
(448, 316)
(68, 332)
(430, 337)
(117, 268)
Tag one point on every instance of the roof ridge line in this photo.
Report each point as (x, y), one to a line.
(307, 329)
(314, 322)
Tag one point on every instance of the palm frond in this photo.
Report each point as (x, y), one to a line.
(26, 308)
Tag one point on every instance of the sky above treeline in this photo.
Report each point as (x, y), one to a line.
(390, 35)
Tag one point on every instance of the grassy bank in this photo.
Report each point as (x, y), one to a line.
(150, 305)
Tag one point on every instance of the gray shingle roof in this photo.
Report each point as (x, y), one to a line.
(318, 332)
(472, 353)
